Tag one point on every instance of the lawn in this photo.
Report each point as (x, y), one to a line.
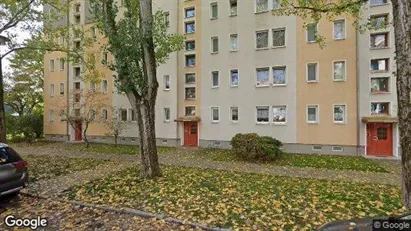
(242, 200)
(356, 163)
(46, 167)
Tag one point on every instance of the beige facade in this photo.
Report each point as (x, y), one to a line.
(245, 70)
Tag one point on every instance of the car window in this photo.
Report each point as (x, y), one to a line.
(8, 155)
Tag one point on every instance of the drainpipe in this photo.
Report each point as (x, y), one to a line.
(177, 77)
(68, 69)
(358, 93)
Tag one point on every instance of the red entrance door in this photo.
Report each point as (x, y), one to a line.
(379, 139)
(77, 132)
(191, 134)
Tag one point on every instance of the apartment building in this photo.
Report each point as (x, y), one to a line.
(244, 70)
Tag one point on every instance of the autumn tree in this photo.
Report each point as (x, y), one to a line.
(139, 42)
(114, 125)
(401, 11)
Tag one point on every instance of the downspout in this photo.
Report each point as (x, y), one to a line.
(177, 77)
(358, 93)
(68, 69)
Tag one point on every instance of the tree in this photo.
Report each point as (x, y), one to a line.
(401, 11)
(138, 41)
(115, 126)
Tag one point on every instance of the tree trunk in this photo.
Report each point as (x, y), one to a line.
(2, 111)
(402, 29)
(145, 106)
(85, 136)
(115, 140)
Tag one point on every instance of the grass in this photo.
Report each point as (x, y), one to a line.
(241, 200)
(356, 163)
(46, 167)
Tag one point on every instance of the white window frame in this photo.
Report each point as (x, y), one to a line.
(238, 42)
(380, 33)
(259, 12)
(335, 148)
(212, 79)
(285, 37)
(306, 33)
(230, 13)
(345, 29)
(231, 115)
(212, 45)
(317, 72)
(256, 116)
(268, 39)
(212, 114)
(268, 80)
(238, 76)
(345, 70)
(381, 101)
(165, 115)
(130, 115)
(211, 10)
(317, 121)
(286, 76)
(52, 90)
(344, 115)
(52, 67)
(102, 86)
(286, 115)
(317, 149)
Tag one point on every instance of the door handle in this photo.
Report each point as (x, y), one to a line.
(375, 138)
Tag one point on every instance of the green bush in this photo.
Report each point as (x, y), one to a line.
(252, 147)
(24, 128)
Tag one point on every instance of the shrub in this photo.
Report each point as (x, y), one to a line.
(252, 147)
(24, 128)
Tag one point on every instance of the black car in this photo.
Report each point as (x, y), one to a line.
(13, 171)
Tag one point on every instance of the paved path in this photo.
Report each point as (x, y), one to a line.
(172, 159)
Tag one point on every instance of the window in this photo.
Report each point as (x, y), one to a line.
(77, 86)
(337, 149)
(379, 40)
(214, 44)
(377, 2)
(379, 85)
(215, 114)
(77, 72)
(189, 12)
(263, 76)
(167, 19)
(123, 114)
(317, 148)
(190, 60)
(190, 27)
(167, 114)
(132, 115)
(190, 45)
(62, 115)
(62, 62)
(339, 29)
(382, 133)
(51, 90)
(279, 37)
(190, 92)
(104, 86)
(234, 114)
(339, 114)
(234, 78)
(261, 39)
(276, 4)
(379, 21)
(77, 8)
(234, 42)
(77, 19)
(77, 98)
(339, 70)
(92, 86)
(380, 108)
(61, 88)
(94, 32)
(51, 65)
(51, 116)
(214, 10)
(92, 115)
(104, 58)
(61, 40)
(215, 79)
(190, 78)
(104, 114)
(166, 80)
(77, 45)
(279, 75)
(279, 114)
(263, 114)
(311, 32)
(233, 7)
(379, 64)
(190, 111)
(77, 112)
(312, 72)
(312, 114)
(261, 6)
